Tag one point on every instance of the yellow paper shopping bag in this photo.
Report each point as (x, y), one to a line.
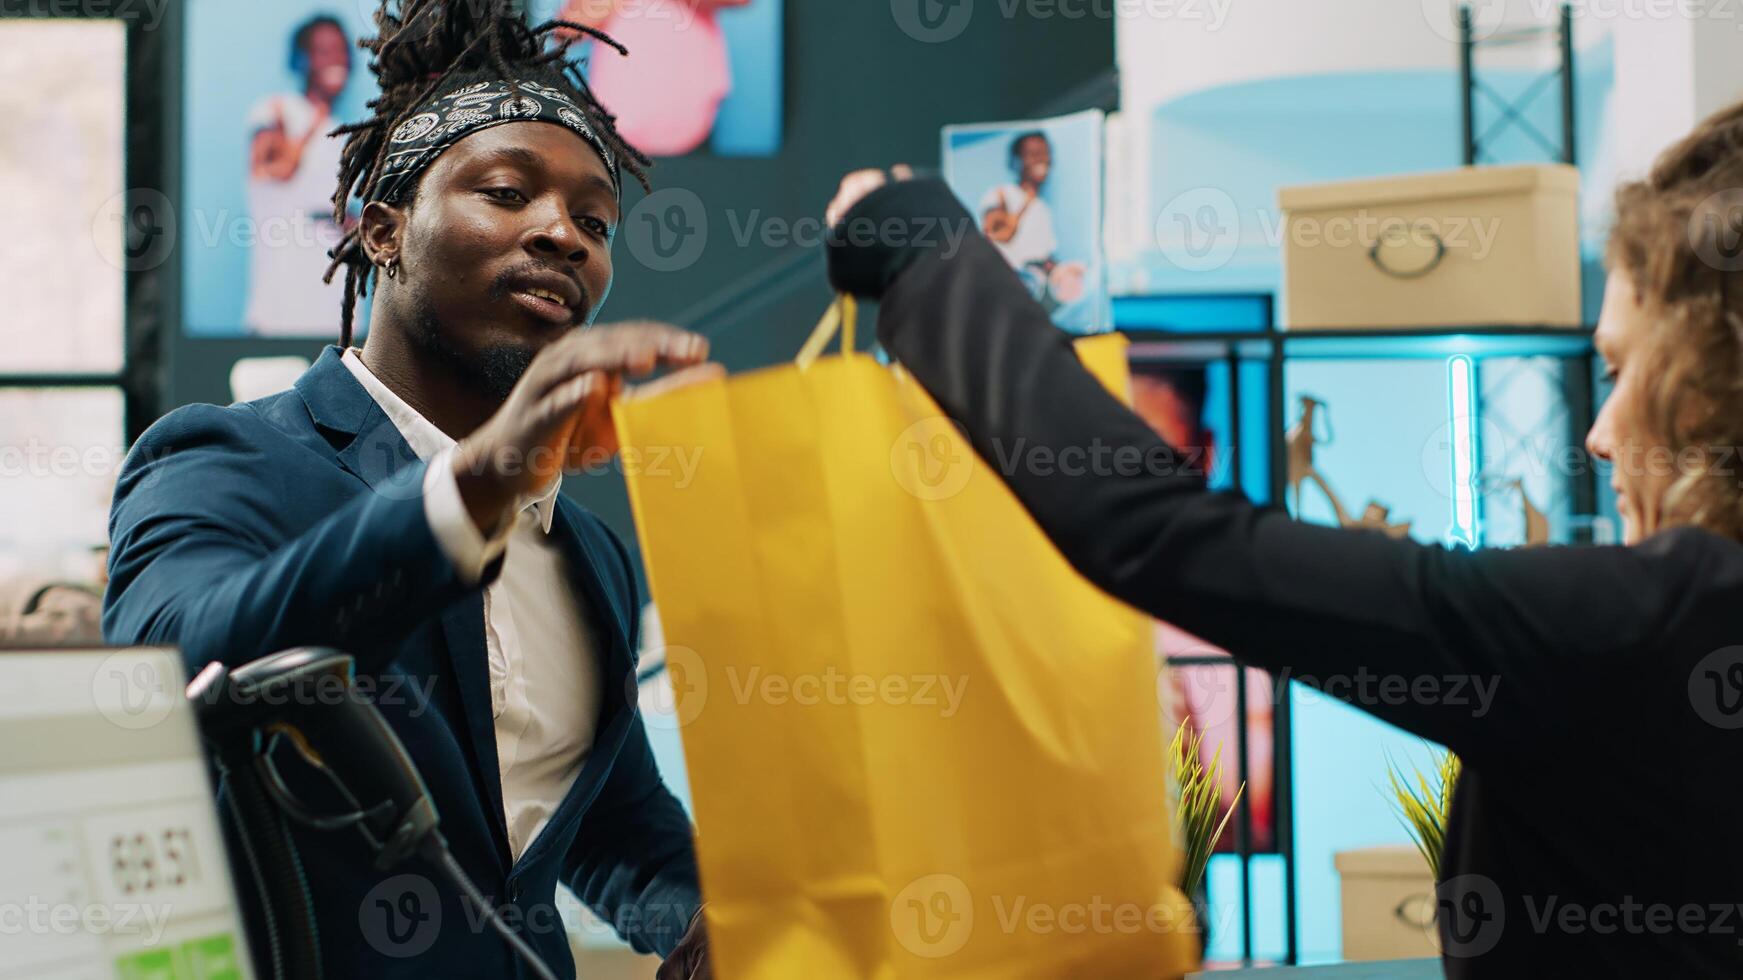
(919, 744)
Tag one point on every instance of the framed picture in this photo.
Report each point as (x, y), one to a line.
(700, 75)
(265, 84)
(1035, 187)
(1201, 686)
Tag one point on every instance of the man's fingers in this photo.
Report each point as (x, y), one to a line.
(580, 411)
(622, 348)
(573, 382)
(565, 399)
(634, 348)
(694, 375)
(585, 403)
(594, 435)
(672, 345)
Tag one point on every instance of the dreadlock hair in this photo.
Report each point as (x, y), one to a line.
(430, 46)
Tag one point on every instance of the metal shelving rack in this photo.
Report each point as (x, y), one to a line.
(1580, 389)
(1154, 341)
(1562, 34)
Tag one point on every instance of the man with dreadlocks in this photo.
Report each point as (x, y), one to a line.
(401, 504)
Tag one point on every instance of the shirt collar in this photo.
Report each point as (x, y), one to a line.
(428, 441)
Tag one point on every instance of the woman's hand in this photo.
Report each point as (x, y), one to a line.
(856, 185)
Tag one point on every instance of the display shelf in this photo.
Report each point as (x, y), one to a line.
(1215, 312)
(1420, 969)
(1443, 342)
(1199, 347)
(1362, 344)
(1238, 331)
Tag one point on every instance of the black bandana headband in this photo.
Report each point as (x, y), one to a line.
(446, 119)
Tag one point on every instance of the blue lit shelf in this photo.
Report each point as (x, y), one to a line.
(1477, 342)
(1242, 326)
(1166, 346)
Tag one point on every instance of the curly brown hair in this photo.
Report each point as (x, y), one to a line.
(1678, 236)
(421, 48)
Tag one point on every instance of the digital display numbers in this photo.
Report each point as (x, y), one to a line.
(143, 864)
(169, 857)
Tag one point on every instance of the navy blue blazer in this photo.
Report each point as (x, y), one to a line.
(298, 520)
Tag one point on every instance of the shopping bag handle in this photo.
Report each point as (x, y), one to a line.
(840, 316)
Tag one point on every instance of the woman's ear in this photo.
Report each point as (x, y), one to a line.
(382, 226)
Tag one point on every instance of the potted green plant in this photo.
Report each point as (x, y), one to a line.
(1422, 803)
(1197, 806)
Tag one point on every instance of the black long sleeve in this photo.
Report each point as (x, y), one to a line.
(1583, 687)
(1475, 650)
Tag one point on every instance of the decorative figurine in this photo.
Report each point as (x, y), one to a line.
(1298, 447)
(1536, 521)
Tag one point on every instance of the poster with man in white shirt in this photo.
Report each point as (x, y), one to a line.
(291, 164)
(266, 85)
(1036, 189)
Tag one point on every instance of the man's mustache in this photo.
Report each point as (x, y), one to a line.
(505, 282)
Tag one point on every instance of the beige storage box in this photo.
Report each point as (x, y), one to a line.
(1473, 247)
(1388, 903)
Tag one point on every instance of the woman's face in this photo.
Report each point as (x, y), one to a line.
(1643, 467)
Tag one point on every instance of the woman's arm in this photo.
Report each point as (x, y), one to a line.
(1474, 650)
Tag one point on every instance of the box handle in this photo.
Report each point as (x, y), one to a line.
(1391, 238)
(1417, 911)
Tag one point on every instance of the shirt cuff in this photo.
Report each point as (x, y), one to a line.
(466, 547)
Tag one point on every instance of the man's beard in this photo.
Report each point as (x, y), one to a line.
(494, 371)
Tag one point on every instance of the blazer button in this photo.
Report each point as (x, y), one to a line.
(514, 891)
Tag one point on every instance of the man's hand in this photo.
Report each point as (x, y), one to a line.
(856, 186)
(559, 412)
(689, 961)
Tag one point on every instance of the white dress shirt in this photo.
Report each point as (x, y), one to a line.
(544, 673)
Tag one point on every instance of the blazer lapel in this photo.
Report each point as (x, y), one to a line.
(611, 636)
(375, 452)
(463, 628)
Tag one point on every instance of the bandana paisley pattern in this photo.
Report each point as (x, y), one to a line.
(435, 126)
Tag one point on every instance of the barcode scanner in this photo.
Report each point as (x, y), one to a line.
(307, 695)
